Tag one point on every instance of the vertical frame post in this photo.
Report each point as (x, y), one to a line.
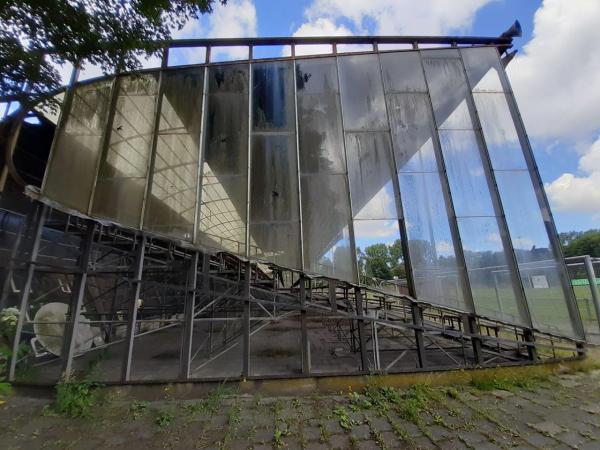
(188, 317)
(40, 217)
(77, 295)
(417, 316)
(246, 319)
(133, 309)
(364, 361)
(303, 329)
(591, 276)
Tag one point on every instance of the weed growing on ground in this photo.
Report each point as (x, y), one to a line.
(508, 383)
(164, 419)
(75, 398)
(345, 422)
(138, 408)
(278, 436)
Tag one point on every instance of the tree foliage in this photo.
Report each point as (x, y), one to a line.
(382, 261)
(35, 35)
(587, 243)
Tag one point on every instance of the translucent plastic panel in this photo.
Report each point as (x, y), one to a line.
(171, 206)
(483, 68)
(499, 131)
(320, 133)
(316, 76)
(274, 179)
(374, 239)
(412, 132)
(326, 216)
(122, 178)
(276, 242)
(371, 175)
(487, 266)
(223, 213)
(78, 147)
(432, 256)
(319, 117)
(541, 273)
(363, 103)
(468, 184)
(226, 148)
(448, 90)
(224, 179)
(402, 72)
(273, 96)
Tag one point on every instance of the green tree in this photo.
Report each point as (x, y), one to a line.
(37, 34)
(586, 244)
(377, 259)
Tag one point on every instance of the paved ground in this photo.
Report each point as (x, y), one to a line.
(557, 412)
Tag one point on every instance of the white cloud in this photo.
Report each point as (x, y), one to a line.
(319, 27)
(375, 229)
(556, 79)
(235, 19)
(571, 193)
(557, 86)
(398, 16)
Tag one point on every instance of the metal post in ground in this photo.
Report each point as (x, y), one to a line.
(133, 310)
(246, 319)
(41, 212)
(591, 275)
(77, 295)
(188, 318)
(417, 316)
(361, 330)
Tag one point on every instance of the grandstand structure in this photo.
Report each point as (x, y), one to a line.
(225, 219)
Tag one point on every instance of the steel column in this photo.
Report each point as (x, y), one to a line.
(246, 319)
(133, 310)
(417, 316)
(188, 318)
(303, 330)
(333, 295)
(77, 295)
(364, 361)
(591, 276)
(40, 217)
(470, 328)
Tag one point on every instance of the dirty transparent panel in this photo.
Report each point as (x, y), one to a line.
(122, 177)
(222, 222)
(402, 72)
(466, 175)
(435, 269)
(274, 188)
(363, 104)
(276, 242)
(488, 270)
(373, 239)
(499, 131)
(540, 270)
(578, 277)
(371, 175)
(448, 90)
(325, 203)
(78, 147)
(483, 68)
(412, 132)
(171, 206)
(273, 96)
(325, 217)
(274, 203)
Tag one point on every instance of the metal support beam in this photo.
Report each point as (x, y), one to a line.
(246, 319)
(361, 330)
(40, 217)
(470, 327)
(591, 276)
(188, 319)
(417, 316)
(531, 350)
(303, 329)
(333, 295)
(77, 295)
(133, 310)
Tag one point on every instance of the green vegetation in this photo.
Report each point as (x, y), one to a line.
(75, 398)
(139, 408)
(382, 261)
(484, 383)
(577, 243)
(104, 33)
(164, 419)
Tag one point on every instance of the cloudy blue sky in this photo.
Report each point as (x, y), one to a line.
(556, 75)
